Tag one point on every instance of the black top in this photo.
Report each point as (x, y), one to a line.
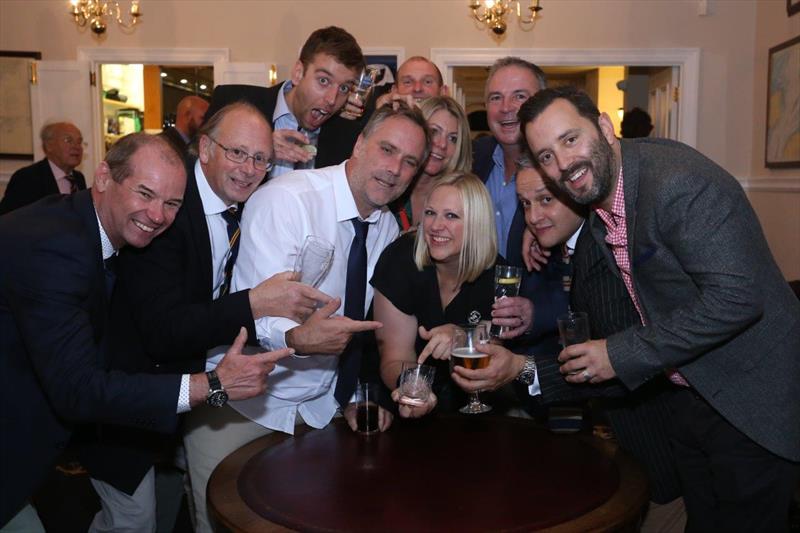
(417, 293)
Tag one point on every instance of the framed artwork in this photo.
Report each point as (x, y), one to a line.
(792, 7)
(386, 60)
(16, 137)
(783, 106)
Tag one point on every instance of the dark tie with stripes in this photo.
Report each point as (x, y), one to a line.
(354, 294)
(73, 182)
(231, 217)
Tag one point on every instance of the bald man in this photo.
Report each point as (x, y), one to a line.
(62, 143)
(188, 118)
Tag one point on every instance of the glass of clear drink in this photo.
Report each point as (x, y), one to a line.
(314, 260)
(466, 352)
(361, 91)
(416, 382)
(506, 285)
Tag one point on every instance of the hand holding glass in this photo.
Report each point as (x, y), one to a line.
(506, 285)
(573, 328)
(314, 260)
(360, 91)
(416, 381)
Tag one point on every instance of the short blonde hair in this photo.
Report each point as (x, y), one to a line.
(462, 159)
(479, 244)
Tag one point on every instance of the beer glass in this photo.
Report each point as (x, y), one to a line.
(506, 285)
(314, 260)
(361, 90)
(367, 408)
(466, 352)
(416, 381)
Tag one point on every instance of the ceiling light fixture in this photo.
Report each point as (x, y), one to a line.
(495, 11)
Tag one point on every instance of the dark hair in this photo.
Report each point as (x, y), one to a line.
(540, 101)
(212, 124)
(511, 61)
(400, 109)
(636, 123)
(335, 42)
(119, 156)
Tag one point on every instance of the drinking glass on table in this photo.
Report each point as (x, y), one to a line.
(466, 352)
(361, 90)
(573, 328)
(366, 401)
(416, 381)
(314, 260)
(506, 285)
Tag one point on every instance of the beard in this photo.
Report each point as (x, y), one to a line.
(601, 165)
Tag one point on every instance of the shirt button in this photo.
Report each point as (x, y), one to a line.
(498, 213)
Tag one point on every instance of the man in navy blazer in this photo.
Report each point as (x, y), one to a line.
(63, 149)
(55, 285)
(716, 315)
(511, 81)
(303, 111)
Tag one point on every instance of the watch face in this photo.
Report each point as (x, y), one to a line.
(218, 398)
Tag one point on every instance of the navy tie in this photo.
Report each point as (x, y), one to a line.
(354, 296)
(110, 269)
(231, 217)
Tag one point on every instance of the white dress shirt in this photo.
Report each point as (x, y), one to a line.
(63, 184)
(276, 221)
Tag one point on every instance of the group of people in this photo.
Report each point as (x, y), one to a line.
(167, 287)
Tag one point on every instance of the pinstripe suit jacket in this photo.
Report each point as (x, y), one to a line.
(640, 420)
(716, 304)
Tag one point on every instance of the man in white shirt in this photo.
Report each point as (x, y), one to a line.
(329, 203)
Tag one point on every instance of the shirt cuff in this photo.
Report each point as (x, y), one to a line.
(184, 405)
(534, 389)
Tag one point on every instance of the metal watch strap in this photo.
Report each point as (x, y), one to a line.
(528, 373)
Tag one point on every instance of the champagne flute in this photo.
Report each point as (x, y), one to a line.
(466, 352)
(506, 285)
(314, 260)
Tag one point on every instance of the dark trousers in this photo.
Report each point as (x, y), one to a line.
(729, 482)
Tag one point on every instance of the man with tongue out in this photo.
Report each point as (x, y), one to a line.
(511, 81)
(303, 110)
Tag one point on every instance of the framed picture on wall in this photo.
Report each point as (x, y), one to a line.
(16, 137)
(386, 60)
(792, 7)
(783, 106)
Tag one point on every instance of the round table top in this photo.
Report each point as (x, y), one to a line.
(439, 474)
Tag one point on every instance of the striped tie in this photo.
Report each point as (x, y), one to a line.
(73, 182)
(231, 217)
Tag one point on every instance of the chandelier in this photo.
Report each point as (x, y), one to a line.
(96, 13)
(495, 11)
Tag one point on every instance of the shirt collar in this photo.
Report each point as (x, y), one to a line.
(572, 241)
(57, 172)
(618, 201)
(498, 158)
(343, 198)
(212, 204)
(281, 107)
(105, 243)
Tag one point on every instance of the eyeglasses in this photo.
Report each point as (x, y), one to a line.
(74, 142)
(238, 155)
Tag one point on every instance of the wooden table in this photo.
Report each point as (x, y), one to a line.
(440, 474)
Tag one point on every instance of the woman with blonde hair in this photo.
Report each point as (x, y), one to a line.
(428, 282)
(451, 151)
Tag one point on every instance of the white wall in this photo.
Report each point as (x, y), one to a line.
(733, 38)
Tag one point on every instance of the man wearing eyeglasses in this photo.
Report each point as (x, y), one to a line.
(303, 111)
(63, 148)
(177, 296)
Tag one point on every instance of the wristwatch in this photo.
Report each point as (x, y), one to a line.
(217, 397)
(528, 373)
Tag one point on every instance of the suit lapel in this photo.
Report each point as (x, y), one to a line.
(630, 168)
(50, 186)
(99, 302)
(198, 228)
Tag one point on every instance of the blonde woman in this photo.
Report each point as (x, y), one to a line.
(429, 281)
(451, 151)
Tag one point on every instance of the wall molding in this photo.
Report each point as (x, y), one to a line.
(784, 184)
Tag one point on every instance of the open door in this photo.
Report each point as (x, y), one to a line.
(664, 94)
(61, 93)
(226, 73)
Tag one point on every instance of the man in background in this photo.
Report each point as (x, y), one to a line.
(303, 111)
(188, 118)
(63, 150)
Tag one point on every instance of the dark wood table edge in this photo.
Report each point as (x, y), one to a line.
(623, 508)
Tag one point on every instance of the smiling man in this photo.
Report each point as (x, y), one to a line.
(344, 205)
(56, 282)
(511, 81)
(303, 111)
(176, 297)
(715, 314)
